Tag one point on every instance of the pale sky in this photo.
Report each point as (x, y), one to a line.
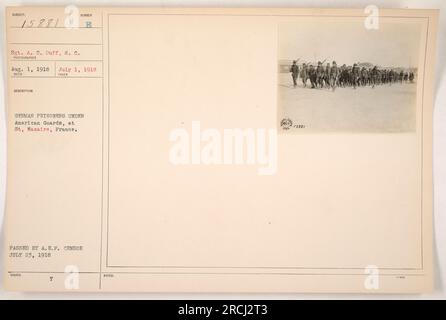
(316, 39)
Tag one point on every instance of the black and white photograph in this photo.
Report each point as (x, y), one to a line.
(339, 75)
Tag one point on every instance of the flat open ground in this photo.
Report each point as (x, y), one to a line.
(385, 108)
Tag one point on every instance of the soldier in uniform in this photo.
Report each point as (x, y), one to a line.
(355, 75)
(406, 77)
(327, 75)
(333, 75)
(374, 76)
(369, 76)
(304, 74)
(294, 69)
(312, 74)
(319, 75)
(348, 76)
(393, 76)
(343, 77)
(363, 76)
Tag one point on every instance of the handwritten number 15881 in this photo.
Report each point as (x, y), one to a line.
(41, 23)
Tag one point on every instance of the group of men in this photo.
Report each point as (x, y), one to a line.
(332, 76)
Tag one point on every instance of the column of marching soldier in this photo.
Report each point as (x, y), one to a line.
(332, 76)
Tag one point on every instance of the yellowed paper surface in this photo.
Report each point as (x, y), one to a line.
(125, 172)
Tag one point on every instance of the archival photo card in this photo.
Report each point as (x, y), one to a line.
(143, 153)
